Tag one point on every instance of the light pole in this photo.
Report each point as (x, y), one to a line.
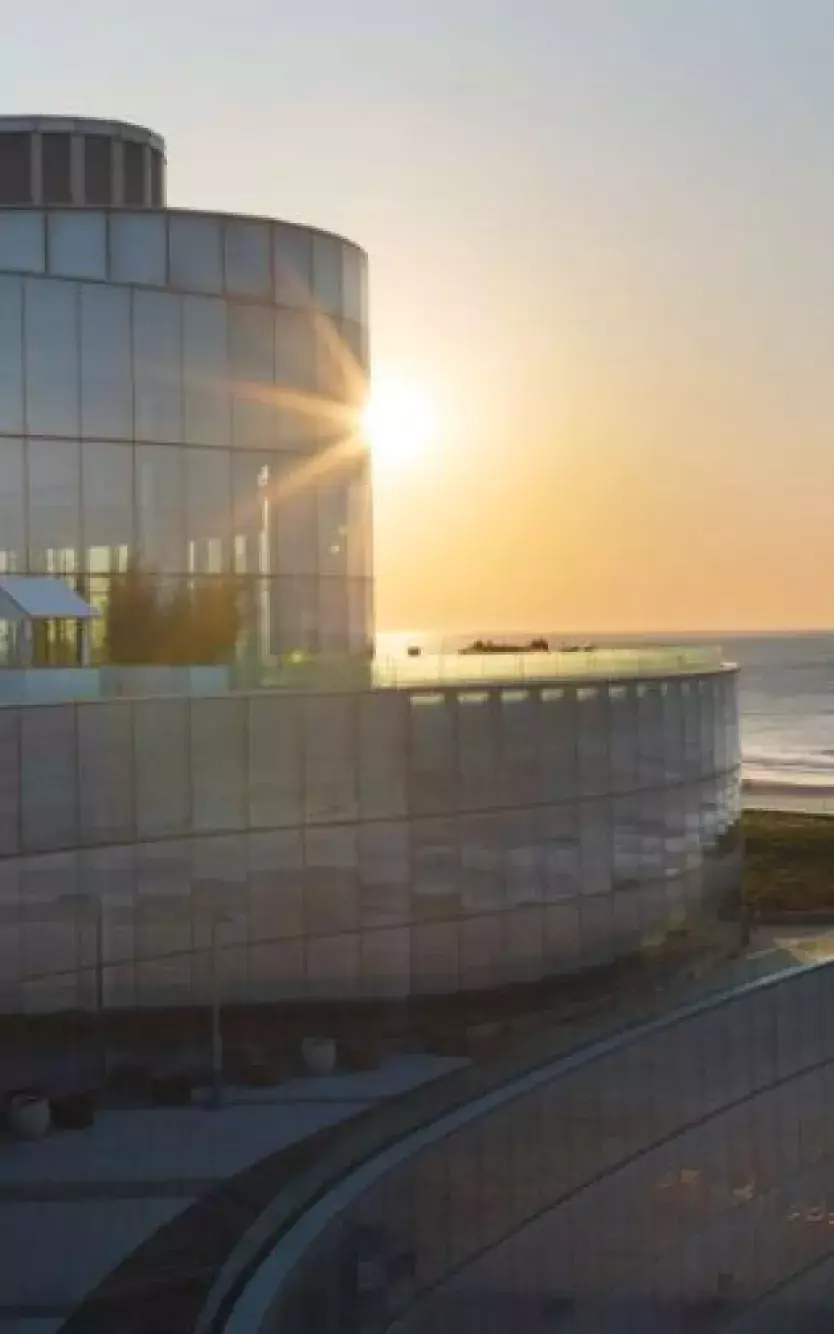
(162, 909)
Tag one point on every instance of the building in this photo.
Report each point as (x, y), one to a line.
(178, 389)
(378, 842)
(183, 389)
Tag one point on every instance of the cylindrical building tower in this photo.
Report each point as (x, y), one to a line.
(179, 390)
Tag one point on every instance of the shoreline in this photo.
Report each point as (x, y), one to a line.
(790, 799)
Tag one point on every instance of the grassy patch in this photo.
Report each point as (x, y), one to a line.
(788, 861)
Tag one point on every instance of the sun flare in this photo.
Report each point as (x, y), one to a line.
(399, 420)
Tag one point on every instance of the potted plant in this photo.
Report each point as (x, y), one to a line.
(27, 1113)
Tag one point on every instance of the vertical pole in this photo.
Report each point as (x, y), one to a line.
(99, 944)
(216, 1036)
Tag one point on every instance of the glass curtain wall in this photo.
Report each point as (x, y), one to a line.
(168, 399)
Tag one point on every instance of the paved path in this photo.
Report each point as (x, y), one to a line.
(73, 1205)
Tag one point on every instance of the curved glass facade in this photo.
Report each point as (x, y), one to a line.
(374, 843)
(184, 390)
(679, 1177)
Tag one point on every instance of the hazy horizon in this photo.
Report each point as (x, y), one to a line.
(600, 243)
(568, 635)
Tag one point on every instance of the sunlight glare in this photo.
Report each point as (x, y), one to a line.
(399, 420)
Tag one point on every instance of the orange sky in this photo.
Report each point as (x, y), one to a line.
(601, 242)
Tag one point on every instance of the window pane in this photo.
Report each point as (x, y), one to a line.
(382, 753)
(157, 174)
(77, 245)
(592, 739)
(159, 510)
(333, 616)
(134, 173)
(333, 360)
(560, 778)
(208, 510)
(295, 350)
(137, 249)
(254, 419)
(15, 179)
(330, 760)
(53, 506)
(327, 273)
(12, 507)
(333, 518)
(207, 406)
(432, 754)
(11, 354)
(108, 505)
(359, 535)
(57, 182)
(98, 171)
(293, 517)
(51, 357)
(295, 624)
(251, 513)
(21, 242)
(295, 378)
(247, 259)
(293, 258)
(157, 368)
(520, 738)
(356, 360)
(360, 615)
(106, 385)
(196, 260)
(352, 280)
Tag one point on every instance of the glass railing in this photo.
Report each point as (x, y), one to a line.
(323, 673)
(461, 669)
(566, 665)
(677, 1177)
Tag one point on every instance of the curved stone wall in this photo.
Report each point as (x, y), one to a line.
(374, 843)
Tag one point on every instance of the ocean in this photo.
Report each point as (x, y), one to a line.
(787, 719)
(787, 710)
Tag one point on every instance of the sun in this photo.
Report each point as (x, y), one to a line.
(399, 420)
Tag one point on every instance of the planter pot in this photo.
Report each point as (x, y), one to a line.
(319, 1055)
(28, 1115)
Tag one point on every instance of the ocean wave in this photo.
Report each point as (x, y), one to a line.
(808, 761)
(766, 770)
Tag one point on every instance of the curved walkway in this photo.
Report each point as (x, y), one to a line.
(183, 1197)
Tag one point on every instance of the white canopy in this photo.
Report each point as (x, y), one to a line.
(35, 598)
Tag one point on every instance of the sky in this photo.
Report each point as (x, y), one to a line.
(601, 241)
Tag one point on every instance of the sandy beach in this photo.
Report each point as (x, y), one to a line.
(764, 796)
